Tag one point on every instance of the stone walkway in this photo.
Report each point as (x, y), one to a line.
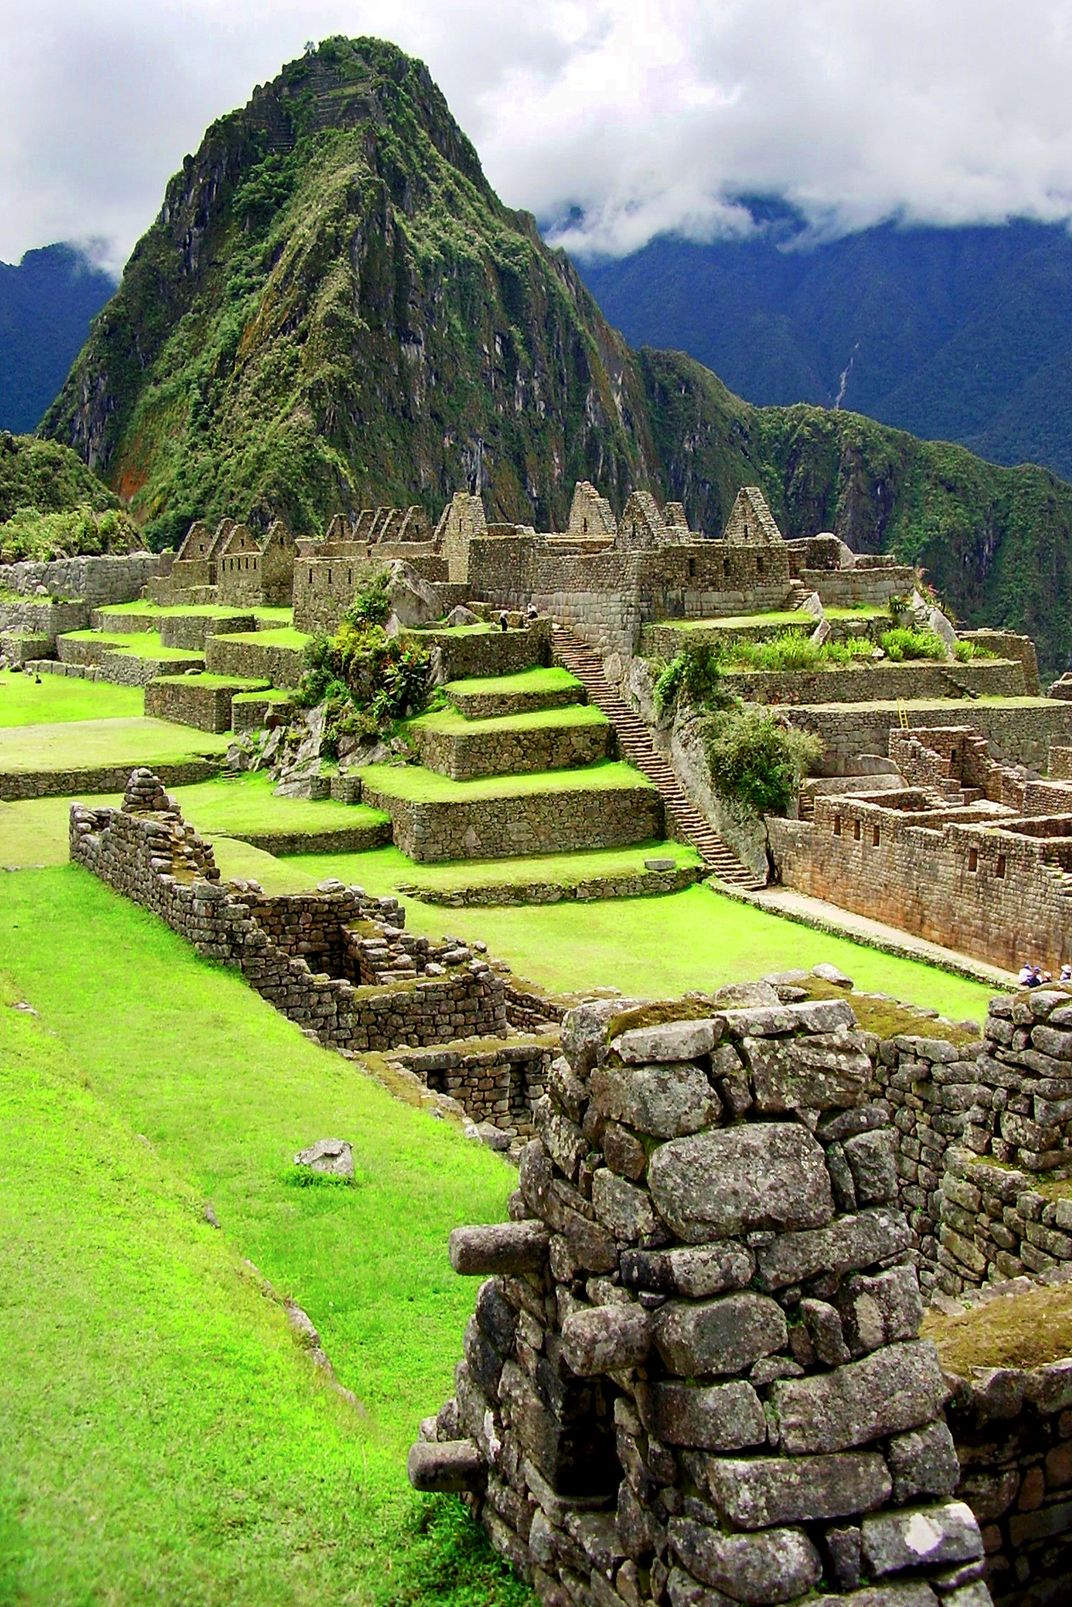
(816, 912)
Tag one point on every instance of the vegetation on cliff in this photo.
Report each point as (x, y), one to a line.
(52, 506)
(333, 310)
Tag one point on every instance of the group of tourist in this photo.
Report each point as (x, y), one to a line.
(1032, 976)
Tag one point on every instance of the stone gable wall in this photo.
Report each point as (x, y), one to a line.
(693, 1375)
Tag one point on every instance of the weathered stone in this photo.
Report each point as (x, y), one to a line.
(500, 1247)
(708, 1269)
(719, 1336)
(923, 1462)
(759, 1492)
(814, 1015)
(848, 1243)
(826, 1071)
(715, 1417)
(606, 1339)
(584, 1030)
(445, 1465)
(825, 1332)
(895, 1389)
(757, 1569)
(920, 1537)
(684, 1591)
(333, 1157)
(665, 1100)
(878, 1309)
(872, 1158)
(672, 1040)
(770, 1175)
(623, 1151)
(623, 1209)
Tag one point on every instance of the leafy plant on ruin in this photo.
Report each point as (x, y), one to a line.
(903, 643)
(366, 680)
(756, 762)
(692, 678)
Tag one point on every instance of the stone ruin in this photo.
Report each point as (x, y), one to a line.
(694, 1375)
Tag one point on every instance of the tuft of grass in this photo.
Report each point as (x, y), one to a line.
(1025, 1330)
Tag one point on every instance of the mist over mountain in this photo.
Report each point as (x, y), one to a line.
(334, 310)
(47, 302)
(959, 334)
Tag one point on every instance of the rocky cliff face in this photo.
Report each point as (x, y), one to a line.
(333, 309)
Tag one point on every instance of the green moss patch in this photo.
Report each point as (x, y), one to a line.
(1025, 1330)
(277, 636)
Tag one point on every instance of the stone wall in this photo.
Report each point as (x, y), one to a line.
(492, 705)
(1018, 733)
(194, 700)
(42, 618)
(146, 852)
(693, 1376)
(626, 884)
(498, 1083)
(865, 584)
(1013, 1433)
(525, 823)
(472, 652)
(971, 879)
(230, 655)
(20, 784)
(94, 581)
(467, 754)
(880, 682)
(1009, 644)
(325, 582)
(122, 668)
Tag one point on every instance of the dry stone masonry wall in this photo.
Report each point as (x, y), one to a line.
(694, 1375)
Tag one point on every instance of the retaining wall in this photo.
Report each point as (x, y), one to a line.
(188, 700)
(467, 754)
(880, 682)
(1017, 733)
(94, 581)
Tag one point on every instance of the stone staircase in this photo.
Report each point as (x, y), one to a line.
(636, 746)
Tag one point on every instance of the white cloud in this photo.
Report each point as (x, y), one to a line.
(644, 115)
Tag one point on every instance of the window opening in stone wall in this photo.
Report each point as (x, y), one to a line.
(856, 831)
(999, 868)
(874, 836)
(973, 859)
(837, 825)
(692, 566)
(759, 566)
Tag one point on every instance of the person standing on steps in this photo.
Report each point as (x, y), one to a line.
(504, 623)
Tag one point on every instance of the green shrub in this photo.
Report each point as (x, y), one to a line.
(902, 643)
(756, 762)
(694, 678)
(372, 604)
(368, 679)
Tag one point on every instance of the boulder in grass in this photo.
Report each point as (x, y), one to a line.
(331, 1157)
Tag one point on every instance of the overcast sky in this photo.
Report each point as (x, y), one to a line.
(646, 114)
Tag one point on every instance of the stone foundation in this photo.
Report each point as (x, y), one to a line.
(484, 751)
(693, 1376)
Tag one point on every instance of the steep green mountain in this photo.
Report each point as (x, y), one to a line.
(46, 304)
(959, 334)
(333, 310)
(334, 307)
(52, 505)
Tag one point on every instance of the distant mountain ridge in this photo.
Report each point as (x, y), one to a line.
(47, 302)
(958, 334)
(333, 310)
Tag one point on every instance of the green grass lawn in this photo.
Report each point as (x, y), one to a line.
(247, 803)
(278, 616)
(414, 782)
(385, 870)
(650, 946)
(247, 684)
(34, 832)
(278, 636)
(451, 723)
(138, 644)
(777, 619)
(91, 743)
(552, 679)
(238, 859)
(164, 1438)
(62, 698)
(857, 611)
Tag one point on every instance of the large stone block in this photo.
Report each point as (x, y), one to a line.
(713, 1417)
(827, 1071)
(771, 1175)
(719, 1336)
(887, 1392)
(670, 1040)
(758, 1492)
(708, 1269)
(923, 1536)
(757, 1569)
(848, 1244)
(664, 1100)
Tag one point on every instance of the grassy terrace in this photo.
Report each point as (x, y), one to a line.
(385, 870)
(60, 699)
(87, 744)
(246, 804)
(418, 785)
(650, 946)
(777, 619)
(552, 679)
(165, 1438)
(278, 616)
(278, 636)
(138, 644)
(249, 685)
(450, 723)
